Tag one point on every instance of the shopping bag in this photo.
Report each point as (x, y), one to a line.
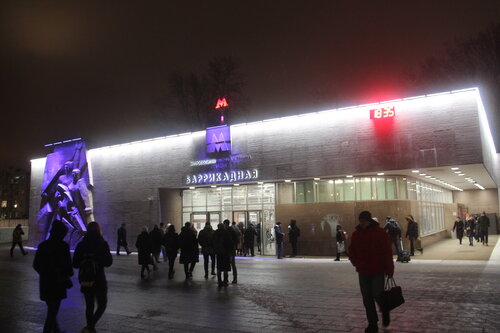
(418, 243)
(392, 297)
(340, 247)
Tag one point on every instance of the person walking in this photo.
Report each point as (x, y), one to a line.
(189, 249)
(459, 226)
(17, 239)
(121, 240)
(171, 244)
(53, 264)
(156, 238)
(341, 242)
(224, 249)
(293, 236)
(233, 235)
(162, 232)
(205, 239)
(412, 234)
(278, 234)
(91, 256)
(144, 251)
(484, 224)
(470, 226)
(370, 252)
(394, 232)
(249, 240)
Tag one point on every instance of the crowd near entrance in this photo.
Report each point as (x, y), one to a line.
(245, 205)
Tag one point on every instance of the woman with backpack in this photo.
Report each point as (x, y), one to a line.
(91, 256)
(53, 264)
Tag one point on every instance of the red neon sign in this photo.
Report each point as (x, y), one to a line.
(383, 112)
(221, 103)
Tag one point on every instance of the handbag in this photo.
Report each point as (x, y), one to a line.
(340, 247)
(392, 297)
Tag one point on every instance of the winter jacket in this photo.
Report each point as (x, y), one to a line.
(144, 248)
(53, 264)
(188, 245)
(95, 247)
(171, 243)
(156, 238)
(459, 227)
(205, 239)
(484, 223)
(17, 235)
(370, 250)
(412, 230)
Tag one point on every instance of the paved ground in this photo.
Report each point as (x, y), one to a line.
(292, 295)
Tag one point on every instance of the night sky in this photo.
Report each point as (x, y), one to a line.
(99, 71)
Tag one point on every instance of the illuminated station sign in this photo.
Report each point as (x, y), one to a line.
(383, 112)
(222, 177)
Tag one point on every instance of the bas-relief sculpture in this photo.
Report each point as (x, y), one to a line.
(66, 192)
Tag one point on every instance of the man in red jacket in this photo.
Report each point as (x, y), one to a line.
(370, 252)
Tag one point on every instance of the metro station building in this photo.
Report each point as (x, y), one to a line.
(430, 156)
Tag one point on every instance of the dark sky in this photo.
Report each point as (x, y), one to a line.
(98, 70)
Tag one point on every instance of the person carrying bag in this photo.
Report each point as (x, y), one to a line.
(392, 297)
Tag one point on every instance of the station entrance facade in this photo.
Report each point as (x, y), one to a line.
(245, 205)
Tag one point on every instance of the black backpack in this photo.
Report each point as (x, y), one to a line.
(88, 271)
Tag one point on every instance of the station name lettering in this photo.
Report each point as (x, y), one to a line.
(222, 177)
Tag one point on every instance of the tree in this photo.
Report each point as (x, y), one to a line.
(194, 95)
(474, 61)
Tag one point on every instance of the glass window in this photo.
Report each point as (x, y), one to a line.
(390, 185)
(254, 193)
(285, 193)
(226, 198)
(339, 190)
(239, 197)
(402, 191)
(213, 199)
(349, 189)
(304, 192)
(325, 191)
(268, 194)
(200, 197)
(364, 190)
(380, 184)
(187, 198)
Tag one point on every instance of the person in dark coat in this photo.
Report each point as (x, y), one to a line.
(53, 264)
(412, 234)
(249, 240)
(223, 248)
(121, 240)
(93, 248)
(341, 242)
(171, 244)
(144, 249)
(459, 226)
(189, 249)
(470, 226)
(484, 224)
(370, 252)
(17, 239)
(205, 239)
(163, 229)
(233, 234)
(279, 240)
(258, 229)
(156, 238)
(293, 236)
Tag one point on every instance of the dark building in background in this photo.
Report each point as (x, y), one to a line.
(14, 193)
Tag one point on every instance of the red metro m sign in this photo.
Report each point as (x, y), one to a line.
(383, 112)
(221, 103)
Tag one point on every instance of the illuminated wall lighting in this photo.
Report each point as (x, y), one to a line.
(479, 186)
(455, 168)
(380, 174)
(415, 171)
(288, 181)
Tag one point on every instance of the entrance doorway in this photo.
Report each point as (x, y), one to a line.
(200, 218)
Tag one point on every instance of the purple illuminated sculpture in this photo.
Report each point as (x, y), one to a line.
(66, 192)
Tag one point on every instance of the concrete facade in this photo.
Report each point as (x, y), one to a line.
(440, 130)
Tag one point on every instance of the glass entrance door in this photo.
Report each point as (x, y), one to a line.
(199, 219)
